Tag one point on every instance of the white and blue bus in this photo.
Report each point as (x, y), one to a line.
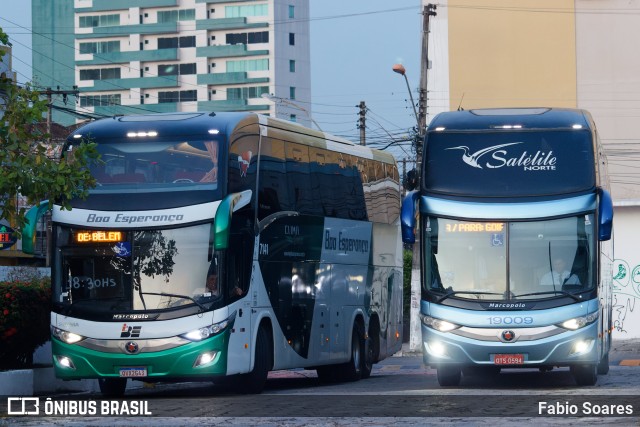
(300, 229)
(515, 223)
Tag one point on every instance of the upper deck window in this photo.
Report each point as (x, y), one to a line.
(158, 163)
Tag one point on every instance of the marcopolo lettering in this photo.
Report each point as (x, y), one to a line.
(130, 219)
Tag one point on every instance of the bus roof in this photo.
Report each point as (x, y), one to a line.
(510, 118)
(161, 127)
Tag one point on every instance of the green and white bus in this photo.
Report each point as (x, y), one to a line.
(300, 228)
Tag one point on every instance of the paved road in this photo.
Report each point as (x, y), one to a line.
(401, 391)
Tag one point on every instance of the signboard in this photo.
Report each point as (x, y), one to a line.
(7, 237)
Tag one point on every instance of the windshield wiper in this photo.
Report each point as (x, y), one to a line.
(452, 293)
(565, 293)
(163, 294)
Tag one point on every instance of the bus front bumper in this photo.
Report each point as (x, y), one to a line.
(205, 359)
(579, 347)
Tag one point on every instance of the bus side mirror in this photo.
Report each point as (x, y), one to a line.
(408, 217)
(605, 215)
(29, 230)
(222, 220)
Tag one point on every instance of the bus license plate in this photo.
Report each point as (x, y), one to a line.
(508, 359)
(133, 372)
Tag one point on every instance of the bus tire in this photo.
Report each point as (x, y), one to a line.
(254, 381)
(352, 370)
(371, 349)
(585, 375)
(112, 387)
(449, 375)
(603, 366)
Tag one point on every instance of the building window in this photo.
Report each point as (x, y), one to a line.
(248, 65)
(292, 65)
(100, 74)
(293, 117)
(176, 42)
(292, 93)
(243, 11)
(236, 93)
(99, 21)
(292, 9)
(100, 100)
(247, 38)
(176, 69)
(292, 39)
(167, 16)
(177, 96)
(100, 47)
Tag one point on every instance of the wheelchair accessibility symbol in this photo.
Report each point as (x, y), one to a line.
(497, 239)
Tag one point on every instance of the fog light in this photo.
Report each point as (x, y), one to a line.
(65, 362)
(581, 347)
(436, 348)
(205, 358)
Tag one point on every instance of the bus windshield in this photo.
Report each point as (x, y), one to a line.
(154, 163)
(509, 260)
(114, 271)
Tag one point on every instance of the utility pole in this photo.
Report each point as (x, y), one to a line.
(361, 122)
(49, 93)
(414, 323)
(428, 11)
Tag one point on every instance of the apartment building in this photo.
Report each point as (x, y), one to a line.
(142, 56)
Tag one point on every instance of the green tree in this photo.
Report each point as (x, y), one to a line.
(27, 169)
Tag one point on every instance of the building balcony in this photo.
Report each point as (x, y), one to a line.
(126, 57)
(112, 110)
(230, 105)
(228, 24)
(125, 30)
(229, 50)
(229, 79)
(125, 84)
(106, 5)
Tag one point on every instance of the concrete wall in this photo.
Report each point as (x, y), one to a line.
(626, 272)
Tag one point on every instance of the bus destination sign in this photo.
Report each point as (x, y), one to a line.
(475, 227)
(98, 236)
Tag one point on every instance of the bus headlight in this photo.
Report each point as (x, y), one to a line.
(66, 336)
(438, 324)
(209, 331)
(579, 322)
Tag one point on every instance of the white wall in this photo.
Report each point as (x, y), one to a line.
(626, 272)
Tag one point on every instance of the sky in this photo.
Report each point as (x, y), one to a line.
(354, 45)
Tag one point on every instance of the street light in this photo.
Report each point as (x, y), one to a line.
(399, 68)
(274, 98)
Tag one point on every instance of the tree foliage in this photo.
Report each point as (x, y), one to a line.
(28, 168)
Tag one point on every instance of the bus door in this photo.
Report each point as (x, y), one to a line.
(238, 261)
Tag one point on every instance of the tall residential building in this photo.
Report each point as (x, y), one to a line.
(141, 56)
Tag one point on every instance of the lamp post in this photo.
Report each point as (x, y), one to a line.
(399, 68)
(285, 101)
(414, 323)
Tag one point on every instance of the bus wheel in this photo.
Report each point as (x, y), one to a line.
(254, 381)
(367, 360)
(585, 374)
(449, 375)
(352, 370)
(603, 366)
(112, 387)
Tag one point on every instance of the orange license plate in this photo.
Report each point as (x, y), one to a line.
(508, 359)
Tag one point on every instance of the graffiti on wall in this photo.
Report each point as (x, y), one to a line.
(626, 292)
